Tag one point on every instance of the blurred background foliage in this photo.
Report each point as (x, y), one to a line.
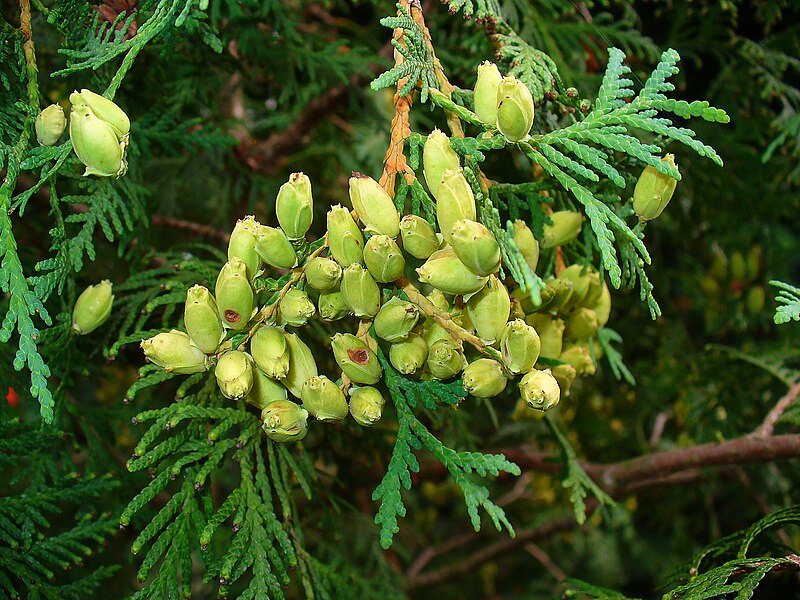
(224, 108)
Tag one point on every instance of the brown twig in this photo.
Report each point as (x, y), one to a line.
(768, 426)
(544, 559)
(197, 228)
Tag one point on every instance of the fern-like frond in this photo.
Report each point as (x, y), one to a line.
(788, 299)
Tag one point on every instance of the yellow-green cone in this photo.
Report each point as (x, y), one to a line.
(323, 274)
(360, 292)
(514, 109)
(284, 421)
(270, 350)
(96, 144)
(454, 201)
(602, 306)
(323, 399)
(104, 109)
(485, 97)
(445, 359)
(356, 359)
(50, 124)
(234, 373)
(445, 272)
(565, 376)
(582, 324)
(242, 244)
(395, 320)
(489, 310)
(408, 355)
(234, 295)
(475, 246)
(551, 334)
(437, 157)
(484, 378)
(202, 321)
(265, 390)
(384, 259)
(374, 206)
(520, 346)
(366, 405)
(526, 243)
(566, 226)
(578, 356)
(274, 248)
(175, 353)
(540, 390)
(653, 191)
(92, 307)
(295, 308)
(302, 365)
(345, 240)
(294, 206)
(581, 280)
(419, 238)
(332, 306)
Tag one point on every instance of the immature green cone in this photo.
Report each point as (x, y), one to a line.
(738, 265)
(323, 399)
(234, 373)
(332, 306)
(485, 97)
(756, 298)
(92, 307)
(345, 240)
(295, 308)
(366, 405)
(526, 243)
(274, 248)
(578, 356)
(104, 109)
(580, 279)
(566, 227)
(565, 376)
(454, 201)
(201, 318)
(294, 206)
(270, 350)
(96, 144)
(374, 206)
(551, 334)
(395, 320)
(408, 355)
(602, 306)
(540, 390)
(284, 421)
(582, 324)
(653, 191)
(265, 390)
(514, 109)
(234, 295)
(520, 346)
(475, 246)
(323, 274)
(437, 157)
(384, 259)
(175, 353)
(484, 378)
(489, 310)
(242, 244)
(356, 359)
(360, 292)
(444, 271)
(302, 365)
(50, 124)
(419, 238)
(445, 359)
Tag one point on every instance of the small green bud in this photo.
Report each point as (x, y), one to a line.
(738, 265)
(104, 109)
(520, 346)
(384, 259)
(366, 405)
(551, 334)
(578, 356)
(653, 191)
(242, 244)
(395, 320)
(284, 421)
(566, 227)
(419, 238)
(446, 273)
(332, 306)
(270, 350)
(540, 390)
(92, 307)
(445, 359)
(579, 276)
(356, 359)
(565, 376)
(50, 124)
(408, 355)
(486, 87)
(489, 310)
(360, 292)
(274, 248)
(756, 298)
(582, 324)
(439, 300)
(96, 144)
(323, 274)
(454, 201)
(437, 157)
(561, 290)
(302, 365)
(265, 390)
(295, 308)
(323, 399)
(431, 331)
(753, 261)
(234, 295)
(201, 318)
(514, 109)
(476, 247)
(602, 306)
(345, 240)
(526, 243)
(595, 288)
(484, 378)
(234, 373)
(374, 206)
(175, 353)
(294, 206)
